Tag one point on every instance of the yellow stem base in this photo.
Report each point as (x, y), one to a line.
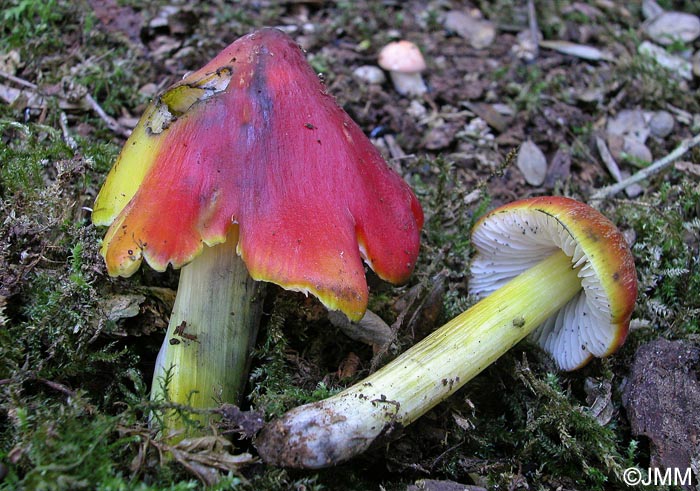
(205, 355)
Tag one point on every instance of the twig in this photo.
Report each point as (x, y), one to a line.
(70, 141)
(654, 168)
(58, 386)
(443, 454)
(534, 29)
(111, 123)
(18, 81)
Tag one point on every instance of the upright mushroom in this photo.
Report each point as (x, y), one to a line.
(404, 62)
(249, 156)
(551, 262)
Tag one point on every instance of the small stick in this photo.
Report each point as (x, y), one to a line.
(532, 18)
(654, 168)
(111, 123)
(17, 80)
(70, 141)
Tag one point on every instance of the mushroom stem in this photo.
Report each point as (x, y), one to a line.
(409, 84)
(204, 358)
(328, 432)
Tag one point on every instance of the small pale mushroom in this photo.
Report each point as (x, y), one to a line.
(405, 63)
(550, 266)
(248, 170)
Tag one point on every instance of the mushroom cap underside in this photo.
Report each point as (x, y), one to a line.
(253, 140)
(516, 236)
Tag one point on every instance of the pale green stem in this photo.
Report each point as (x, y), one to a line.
(327, 432)
(204, 358)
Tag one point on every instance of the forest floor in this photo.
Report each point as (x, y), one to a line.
(607, 90)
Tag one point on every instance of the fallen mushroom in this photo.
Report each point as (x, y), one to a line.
(249, 156)
(551, 262)
(404, 62)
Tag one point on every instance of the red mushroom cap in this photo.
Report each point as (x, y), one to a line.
(253, 139)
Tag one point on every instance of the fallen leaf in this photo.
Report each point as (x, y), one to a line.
(608, 159)
(689, 167)
(122, 306)
(118, 19)
(532, 163)
(206, 457)
(599, 400)
(10, 62)
(371, 329)
(578, 50)
(348, 367)
(479, 33)
(488, 113)
(560, 167)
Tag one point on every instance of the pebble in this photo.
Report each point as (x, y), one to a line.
(633, 190)
(636, 149)
(661, 124)
(628, 122)
(370, 74)
(670, 27)
(417, 110)
(621, 146)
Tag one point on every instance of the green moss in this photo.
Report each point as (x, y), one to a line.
(648, 84)
(64, 446)
(531, 89)
(101, 153)
(276, 479)
(25, 22)
(667, 224)
(31, 148)
(565, 438)
(519, 421)
(275, 388)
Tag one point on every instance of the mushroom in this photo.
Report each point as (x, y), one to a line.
(550, 261)
(404, 62)
(245, 171)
